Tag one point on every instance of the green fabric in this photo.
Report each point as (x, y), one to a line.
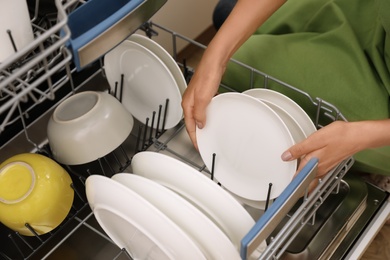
(337, 50)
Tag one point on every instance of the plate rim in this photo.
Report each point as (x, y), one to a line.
(204, 144)
(100, 180)
(302, 117)
(165, 57)
(234, 233)
(200, 221)
(116, 56)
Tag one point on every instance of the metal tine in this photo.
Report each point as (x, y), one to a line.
(121, 88)
(109, 165)
(151, 127)
(158, 120)
(213, 166)
(12, 40)
(115, 89)
(117, 160)
(101, 166)
(165, 114)
(268, 196)
(145, 132)
(124, 154)
(24, 241)
(138, 139)
(16, 245)
(32, 231)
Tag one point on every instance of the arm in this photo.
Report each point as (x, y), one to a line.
(245, 18)
(338, 141)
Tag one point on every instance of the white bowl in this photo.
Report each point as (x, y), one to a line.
(87, 126)
(14, 17)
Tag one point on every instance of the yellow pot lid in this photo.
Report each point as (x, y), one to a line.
(17, 180)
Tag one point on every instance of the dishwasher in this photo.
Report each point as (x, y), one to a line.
(336, 221)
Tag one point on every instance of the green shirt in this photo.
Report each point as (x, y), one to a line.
(337, 50)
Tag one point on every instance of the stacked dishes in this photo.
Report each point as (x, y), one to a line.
(134, 224)
(144, 77)
(172, 211)
(244, 138)
(211, 221)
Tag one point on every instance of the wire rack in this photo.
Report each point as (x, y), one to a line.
(34, 76)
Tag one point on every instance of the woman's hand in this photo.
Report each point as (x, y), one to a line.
(245, 18)
(203, 86)
(337, 141)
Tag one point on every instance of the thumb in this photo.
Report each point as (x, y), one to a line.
(294, 152)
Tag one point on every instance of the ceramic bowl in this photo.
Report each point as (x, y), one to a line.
(14, 20)
(34, 189)
(87, 126)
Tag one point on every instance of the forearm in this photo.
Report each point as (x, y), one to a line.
(245, 18)
(373, 134)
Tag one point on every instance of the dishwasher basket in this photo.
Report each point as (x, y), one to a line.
(42, 74)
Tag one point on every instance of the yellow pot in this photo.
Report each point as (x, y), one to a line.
(36, 190)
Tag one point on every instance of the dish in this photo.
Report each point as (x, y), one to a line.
(248, 138)
(87, 126)
(211, 199)
(164, 56)
(135, 224)
(295, 129)
(147, 82)
(257, 204)
(36, 190)
(14, 17)
(287, 104)
(211, 240)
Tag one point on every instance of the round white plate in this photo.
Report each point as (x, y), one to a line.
(256, 204)
(248, 138)
(211, 240)
(164, 57)
(135, 224)
(287, 104)
(147, 83)
(295, 129)
(206, 195)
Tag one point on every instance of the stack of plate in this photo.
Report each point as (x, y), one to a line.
(168, 210)
(143, 75)
(244, 138)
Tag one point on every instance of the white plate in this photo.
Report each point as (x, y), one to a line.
(257, 204)
(248, 138)
(212, 241)
(293, 126)
(287, 104)
(205, 194)
(135, 224)
(164, 57)
(147, 83)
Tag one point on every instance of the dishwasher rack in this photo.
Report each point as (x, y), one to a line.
(42, 74)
